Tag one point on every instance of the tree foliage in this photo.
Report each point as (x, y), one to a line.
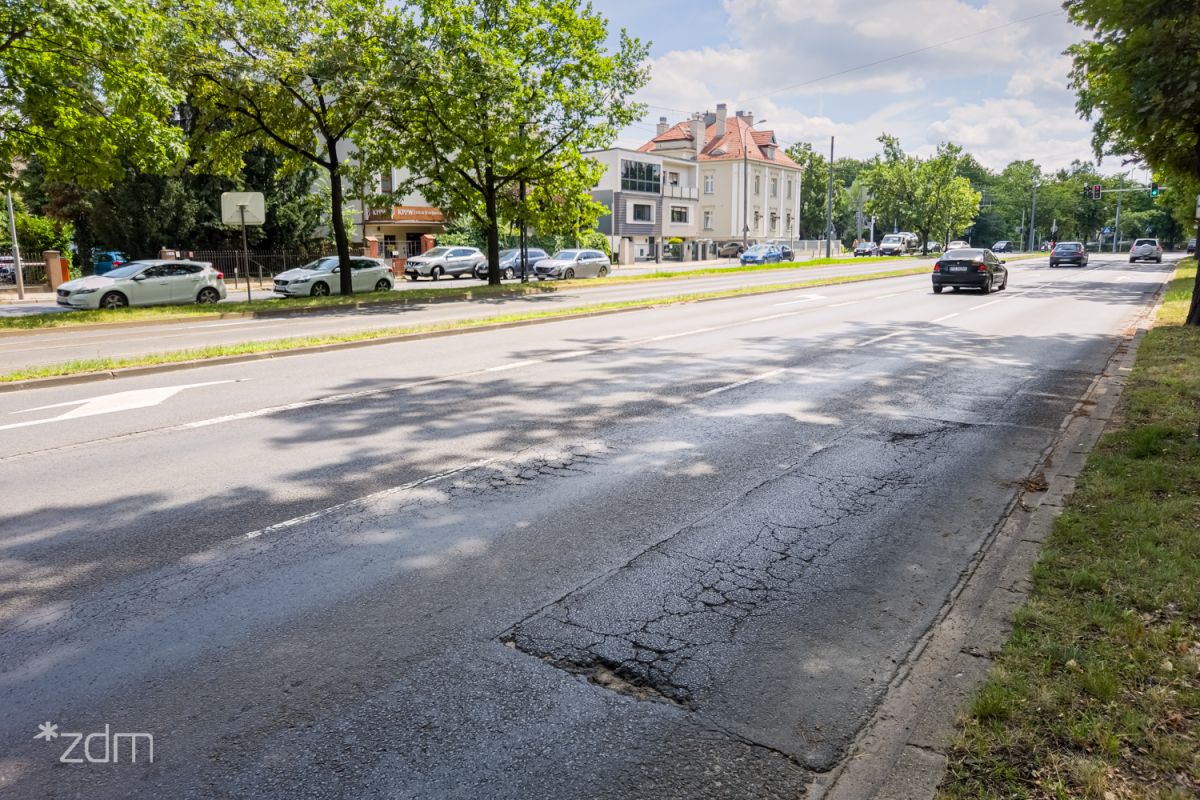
(511, 91)
(927, 196)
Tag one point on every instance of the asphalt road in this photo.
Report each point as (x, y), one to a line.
(51, 346)
(670, 553)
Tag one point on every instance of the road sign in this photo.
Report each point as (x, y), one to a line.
(233, 203)
(1108, 230)
(1054, 226)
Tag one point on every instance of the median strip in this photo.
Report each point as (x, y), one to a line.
(113, 367)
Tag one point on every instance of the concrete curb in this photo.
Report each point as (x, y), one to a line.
(901, 753)
(150, 369)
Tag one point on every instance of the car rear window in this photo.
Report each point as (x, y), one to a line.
(1140, 242)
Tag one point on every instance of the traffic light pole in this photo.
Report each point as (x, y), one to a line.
(1117, 227)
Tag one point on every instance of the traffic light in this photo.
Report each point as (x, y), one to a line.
(1087, 192)
(1097, 192)
(1154, 190)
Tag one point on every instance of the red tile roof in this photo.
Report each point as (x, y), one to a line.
(729, 146)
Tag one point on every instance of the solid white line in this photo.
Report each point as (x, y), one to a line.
(742, 383)
(881, 338)
(948, 316)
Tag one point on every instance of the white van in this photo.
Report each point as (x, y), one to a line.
(899, 244)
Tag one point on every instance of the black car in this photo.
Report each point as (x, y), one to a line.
(1003, 246)
(1069, 253)
(510, 263)
(867, 248)
(970, 268)
(1191, 246)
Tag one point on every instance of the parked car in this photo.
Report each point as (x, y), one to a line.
(933, 247)
(104, 261)
(899, 244)
(785, 250)
(8, 269)
(567, 264)
(510, 263)
(958, 244)
(731, 250)
(1069, 253)
(866, 248)
(1002, 246)
(762, 254)
(453, 261)
(323, 277)
(1145, 249)
(970, 268)
(1191, 246)
(145, 283)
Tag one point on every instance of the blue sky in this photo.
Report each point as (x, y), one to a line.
(1003, 94)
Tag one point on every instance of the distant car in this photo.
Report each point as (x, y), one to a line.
(510, 263)
(969, 268)
(785, 250)
(1002, 246)
(933, 247)
(145, 283)
(762, 254)
(958, 244)
(1145, 249)
(1191, 246)
(8, 269)
(898, 244)
(731, 250)
(324, 277)
(453, 261)
(866, 249)
(568, 264)
(1069, 253)
(105, 260)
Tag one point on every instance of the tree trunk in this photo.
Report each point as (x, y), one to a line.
(1193, 315)
(493, 228)
(345, 279)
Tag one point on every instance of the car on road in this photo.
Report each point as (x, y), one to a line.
(1191, 246)
(785, 250)
(438, 261)
(762, 254)
(104, 261)
(510, 263)
(970, 268)
(145, 283)
(933, 247)
(1145, 250)
(958, 244)
(1002, 246)
(567, 264)
(866, 249)
(731, 250)
(1069, 253)
(324, 277)
(899, 244)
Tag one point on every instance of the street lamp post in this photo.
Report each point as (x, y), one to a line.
(746, 183)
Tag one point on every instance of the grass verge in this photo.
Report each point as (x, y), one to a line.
(298, 343)
(1097, 692)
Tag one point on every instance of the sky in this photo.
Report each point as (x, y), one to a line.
(986, 80)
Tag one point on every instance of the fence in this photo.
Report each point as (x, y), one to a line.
(33, 273)
(262, 267)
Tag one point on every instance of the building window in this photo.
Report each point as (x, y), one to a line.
(638, 176)
(389, 245)
(673, 178)
(708, 184)
(789, 223)
(774, 187)
(385, 183)
(774, 221)
(757, 186)
(789, 189)
(679, 214)
(643, 212)
(708, 220)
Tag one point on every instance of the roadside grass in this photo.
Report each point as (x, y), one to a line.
(297, 343)
(282, 305)
(1097, 692)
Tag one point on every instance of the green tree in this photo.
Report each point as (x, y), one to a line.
(1136, 79)
(303, 78)
(927, 196)
(511, 91)
(81, 87)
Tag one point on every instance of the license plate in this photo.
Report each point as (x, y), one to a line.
(958, 269)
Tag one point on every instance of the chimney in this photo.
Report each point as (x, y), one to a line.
(748, 116)
(662, 126)
(697, 123)
(722, 111)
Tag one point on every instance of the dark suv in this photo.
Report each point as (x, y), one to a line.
(970, 268)
(510, 263)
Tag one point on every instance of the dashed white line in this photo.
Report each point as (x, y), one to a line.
(808, 299)
(946, 317)
(741, 383)
(985, 305)
(881, 338)
(847, 303)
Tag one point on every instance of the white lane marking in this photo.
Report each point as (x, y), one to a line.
(108, 404)
(985, 305)
(746, 382)
(881, 338)
(847, 303)
(801, 300)
(288, 523)
(948, 316)
(884, 296)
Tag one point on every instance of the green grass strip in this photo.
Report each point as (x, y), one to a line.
(297, 343)
(1097, 692)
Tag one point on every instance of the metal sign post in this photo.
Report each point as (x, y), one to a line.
(16, 249)
(244, 208)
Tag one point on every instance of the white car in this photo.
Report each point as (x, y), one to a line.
(323, 276)
(1145, 249)
(958, 244)
(145, 283)
(568, 264)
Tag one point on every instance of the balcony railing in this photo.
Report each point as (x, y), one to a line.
(680, 192)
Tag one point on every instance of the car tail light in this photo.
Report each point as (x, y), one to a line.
(390, 272)
(937, 266)
(982, 268)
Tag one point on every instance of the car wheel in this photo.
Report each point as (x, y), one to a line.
(382, 285)
(509, 274)
(1158, 260)
(114, 300)
(1132, 260)
(937, 290)
(319, 289)
(987, 287)
(208, 295)
(436, 273)
(956, 289)
(602, 273)
(568, 274)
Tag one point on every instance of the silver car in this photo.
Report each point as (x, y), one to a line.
(567, 264)
(145, 283)
(453, 261)
(324, 276)
(1145, 250)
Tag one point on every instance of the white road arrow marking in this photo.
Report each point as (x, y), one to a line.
(108, 404)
